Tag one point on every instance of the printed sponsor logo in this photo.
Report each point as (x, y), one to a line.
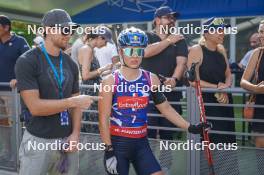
(132, 102)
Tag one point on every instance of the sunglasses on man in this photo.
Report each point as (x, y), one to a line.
(67, 31)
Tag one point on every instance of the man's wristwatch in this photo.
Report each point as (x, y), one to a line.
(109, 148)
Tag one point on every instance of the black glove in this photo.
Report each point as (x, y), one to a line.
(110, 162)
(198, 128)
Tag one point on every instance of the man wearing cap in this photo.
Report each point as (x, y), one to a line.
(11, 47)
(167, 55)
(47, 80)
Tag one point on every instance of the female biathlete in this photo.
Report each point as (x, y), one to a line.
(123, 110)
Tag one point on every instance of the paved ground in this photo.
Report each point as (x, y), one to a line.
(7, 173)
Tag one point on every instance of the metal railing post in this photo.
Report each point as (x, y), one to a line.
(193, 156)
(16, 124)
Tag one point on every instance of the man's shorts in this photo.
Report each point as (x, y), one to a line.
(43, 161)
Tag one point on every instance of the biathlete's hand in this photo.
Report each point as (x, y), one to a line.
(198, 128)
(110, 162)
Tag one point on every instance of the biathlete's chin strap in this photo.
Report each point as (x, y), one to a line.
(124, 64)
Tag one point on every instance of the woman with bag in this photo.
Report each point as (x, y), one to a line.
(255, 70)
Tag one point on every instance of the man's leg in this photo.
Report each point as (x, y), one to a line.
(32, 161)
(72, 167)
(73, 163)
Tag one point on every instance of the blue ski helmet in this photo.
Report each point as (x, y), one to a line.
(132, 37)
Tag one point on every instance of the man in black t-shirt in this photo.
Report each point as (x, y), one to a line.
(167, 55)
(48, 81)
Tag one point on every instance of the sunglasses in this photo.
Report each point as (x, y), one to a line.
(66, 31)
(133, 52)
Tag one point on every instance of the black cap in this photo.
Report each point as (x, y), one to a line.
(164, 11)
(57, 17)
(105, 32)
(4, 20)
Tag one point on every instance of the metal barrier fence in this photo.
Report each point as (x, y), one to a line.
(245, 160)
(10, 129)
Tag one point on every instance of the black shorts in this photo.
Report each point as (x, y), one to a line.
(136, 151)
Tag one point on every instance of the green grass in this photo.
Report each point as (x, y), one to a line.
(238, 112)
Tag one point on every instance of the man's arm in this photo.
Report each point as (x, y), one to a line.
(156, 48)
(178, 71)
(181, 60)
(24, 46)
(180, 68)
(26, 70)
(73, 139)
(46, 107)
(76, 114)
